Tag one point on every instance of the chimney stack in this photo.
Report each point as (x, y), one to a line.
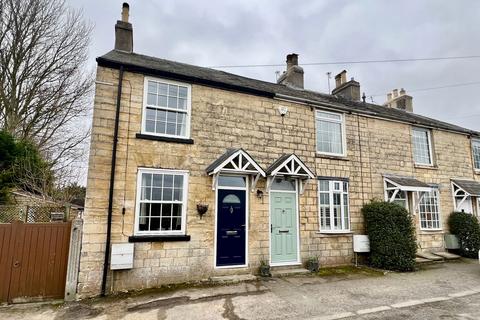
(346, 89)
(293, 77)
(399, 100)
(124, 31)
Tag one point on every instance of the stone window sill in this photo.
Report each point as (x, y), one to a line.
(326, 156)
(419, 166)
(165, 238)
(324, 234)
(427, 232)
(166, 139)
(476, 171)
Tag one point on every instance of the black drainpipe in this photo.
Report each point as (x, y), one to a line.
(112, 182)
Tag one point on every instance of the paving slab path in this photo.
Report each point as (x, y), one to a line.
(441, 291)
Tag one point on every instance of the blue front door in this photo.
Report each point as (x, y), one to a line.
(231, 220)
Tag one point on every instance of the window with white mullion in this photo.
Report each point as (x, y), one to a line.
(161, 202)
(422, 146)
(476, 154)
(333, 206)
(429, 208)
(167, 108)
(330, 133)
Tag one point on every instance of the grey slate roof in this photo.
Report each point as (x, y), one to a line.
(470, 186)
(180, 71)
(277, 163)
(224, 157)
(407, 182)
(220, 159)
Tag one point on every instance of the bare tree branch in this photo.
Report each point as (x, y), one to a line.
(44, 89)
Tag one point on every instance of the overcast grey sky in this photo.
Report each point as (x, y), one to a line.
(231, 32)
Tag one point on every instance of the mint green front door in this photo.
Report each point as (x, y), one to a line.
(283, 210)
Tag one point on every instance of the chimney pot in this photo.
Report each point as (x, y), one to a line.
(125, 12)
(294, 75)
(124, 31)
(400, 101)
(349, 90)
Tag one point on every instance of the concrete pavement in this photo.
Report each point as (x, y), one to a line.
(441, 291)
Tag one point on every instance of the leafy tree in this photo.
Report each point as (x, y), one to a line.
(23, 167)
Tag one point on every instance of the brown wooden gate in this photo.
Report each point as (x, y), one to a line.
(33, 261)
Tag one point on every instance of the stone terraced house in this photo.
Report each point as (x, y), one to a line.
(214, 172)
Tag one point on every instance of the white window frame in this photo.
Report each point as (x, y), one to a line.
(342, 126)
(475, 142)
(421, 198)
(430, 148)
(184, 201)
(188, 111)
(331, 191)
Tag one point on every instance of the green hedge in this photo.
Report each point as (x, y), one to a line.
(392, 236)
(466, 227)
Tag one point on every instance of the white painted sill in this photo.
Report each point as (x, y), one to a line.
(331, 156)
(431, 231)
(425, 166)
(329, 234)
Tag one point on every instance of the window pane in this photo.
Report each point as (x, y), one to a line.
(232, 181)
(162, 101)
(283, 184)
(172, 102)
(163, 89)
(429, 210)
(152, 87)
(324, 185)
(421, 146)
(329, 137)
(476, 153)
(328, 115)
(172, 90)
(182, 92)
(152, 99)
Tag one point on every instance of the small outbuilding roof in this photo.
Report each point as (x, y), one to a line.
(471, 187)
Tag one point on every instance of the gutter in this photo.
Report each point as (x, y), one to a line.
(365, 113)
(112, 183)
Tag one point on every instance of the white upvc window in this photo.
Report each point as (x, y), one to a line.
(166, 108)
(429, 209)
(422, 146)
(330, 129)
(161, 204)
(476, 153)
(334, 210)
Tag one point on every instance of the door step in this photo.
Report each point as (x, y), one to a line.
(287, 272)
(235, 278)
(429, 256)
(422, 261)
(447, 255)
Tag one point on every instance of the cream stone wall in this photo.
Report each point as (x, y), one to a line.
(223, 119)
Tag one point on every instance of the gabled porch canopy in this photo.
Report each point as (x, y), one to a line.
(397, 184)
(289, 165)
(469, 187)
(464, 189)
(235, 161)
